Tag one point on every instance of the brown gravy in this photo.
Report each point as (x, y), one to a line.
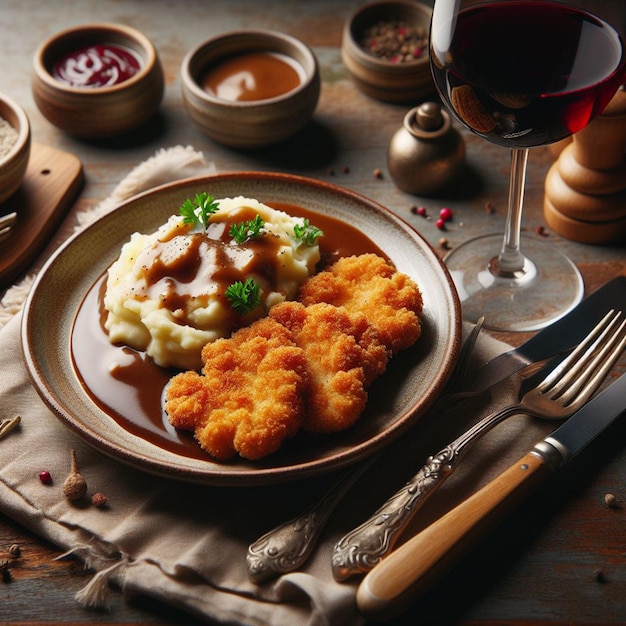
(252, 76)
(128, 386)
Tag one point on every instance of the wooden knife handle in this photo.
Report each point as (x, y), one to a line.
(414, 567)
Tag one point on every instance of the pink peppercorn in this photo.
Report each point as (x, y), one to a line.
(421, 210)
(445, 214)
(440, 224)
(45, 477)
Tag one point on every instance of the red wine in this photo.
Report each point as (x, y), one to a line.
(526, 73)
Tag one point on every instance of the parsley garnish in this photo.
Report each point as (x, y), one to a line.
(306, 233)
(244, 231)
(243, 297)
(200, 210)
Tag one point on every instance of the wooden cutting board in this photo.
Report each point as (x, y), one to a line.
(52, 182)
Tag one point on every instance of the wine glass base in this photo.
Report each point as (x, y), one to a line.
(548, 288)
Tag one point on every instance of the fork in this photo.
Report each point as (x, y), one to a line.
(560, 394)
(288, 546)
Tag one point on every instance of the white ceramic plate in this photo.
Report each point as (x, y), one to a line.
(397, 399)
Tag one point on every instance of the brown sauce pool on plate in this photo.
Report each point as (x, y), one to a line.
(127, 385)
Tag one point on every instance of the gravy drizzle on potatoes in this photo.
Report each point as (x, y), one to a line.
(165, 293)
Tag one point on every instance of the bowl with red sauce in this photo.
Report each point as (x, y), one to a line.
(97, 80)
(15, 140)
(385, 50)
(250, 88)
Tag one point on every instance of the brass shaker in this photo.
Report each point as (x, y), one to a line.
(426, 153)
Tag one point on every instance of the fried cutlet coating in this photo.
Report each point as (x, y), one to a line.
(343, 356)
(307, 365)
(390, 300)
(249, 397)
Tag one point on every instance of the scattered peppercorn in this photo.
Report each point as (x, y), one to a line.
(421, 210)
(74, 486)
(395, 41)
(444, 243)
(15, 551)
(489, 208)
(45, 477)
(99, 500)
(440, 224)
(446, 214)
(378, 173)
(345, 169)
(611, 501)
(5, 569)
(598, 576)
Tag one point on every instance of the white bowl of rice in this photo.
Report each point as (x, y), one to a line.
(14, 146)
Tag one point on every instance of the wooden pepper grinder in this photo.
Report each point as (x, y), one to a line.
(585, 189)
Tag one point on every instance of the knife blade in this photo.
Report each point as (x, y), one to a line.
(557, 338)
(417, 565)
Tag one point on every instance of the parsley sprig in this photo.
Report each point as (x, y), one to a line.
(245, 231)
(199, 211)
(243, 297)
(306, 233)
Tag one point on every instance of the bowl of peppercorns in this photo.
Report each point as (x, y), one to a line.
(385, 50)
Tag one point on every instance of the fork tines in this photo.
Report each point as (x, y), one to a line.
(588, 360)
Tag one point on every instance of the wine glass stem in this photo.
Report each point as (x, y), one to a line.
(511, 262)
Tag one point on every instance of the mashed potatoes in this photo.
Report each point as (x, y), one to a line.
(167, 292)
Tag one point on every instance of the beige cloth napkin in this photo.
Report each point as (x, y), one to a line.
(186, 544)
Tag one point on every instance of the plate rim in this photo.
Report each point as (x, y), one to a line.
(262, 475)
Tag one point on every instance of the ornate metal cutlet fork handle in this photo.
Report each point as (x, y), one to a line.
(362, 548)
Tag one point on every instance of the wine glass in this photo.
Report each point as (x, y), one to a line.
(522, 73)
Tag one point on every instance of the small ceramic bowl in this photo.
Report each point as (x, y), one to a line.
(97, 80)
(276, 98)
(401, 75)
(15, 154)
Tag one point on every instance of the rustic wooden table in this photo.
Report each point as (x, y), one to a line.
(541, 565)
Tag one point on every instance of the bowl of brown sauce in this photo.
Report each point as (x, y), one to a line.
(385, 50)
(97, 80)
(250, 88)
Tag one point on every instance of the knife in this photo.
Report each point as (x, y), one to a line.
(555, 339)
(410, 571)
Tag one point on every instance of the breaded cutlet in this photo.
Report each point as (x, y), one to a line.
(390, 300)
(343, 356)
(249, 397)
